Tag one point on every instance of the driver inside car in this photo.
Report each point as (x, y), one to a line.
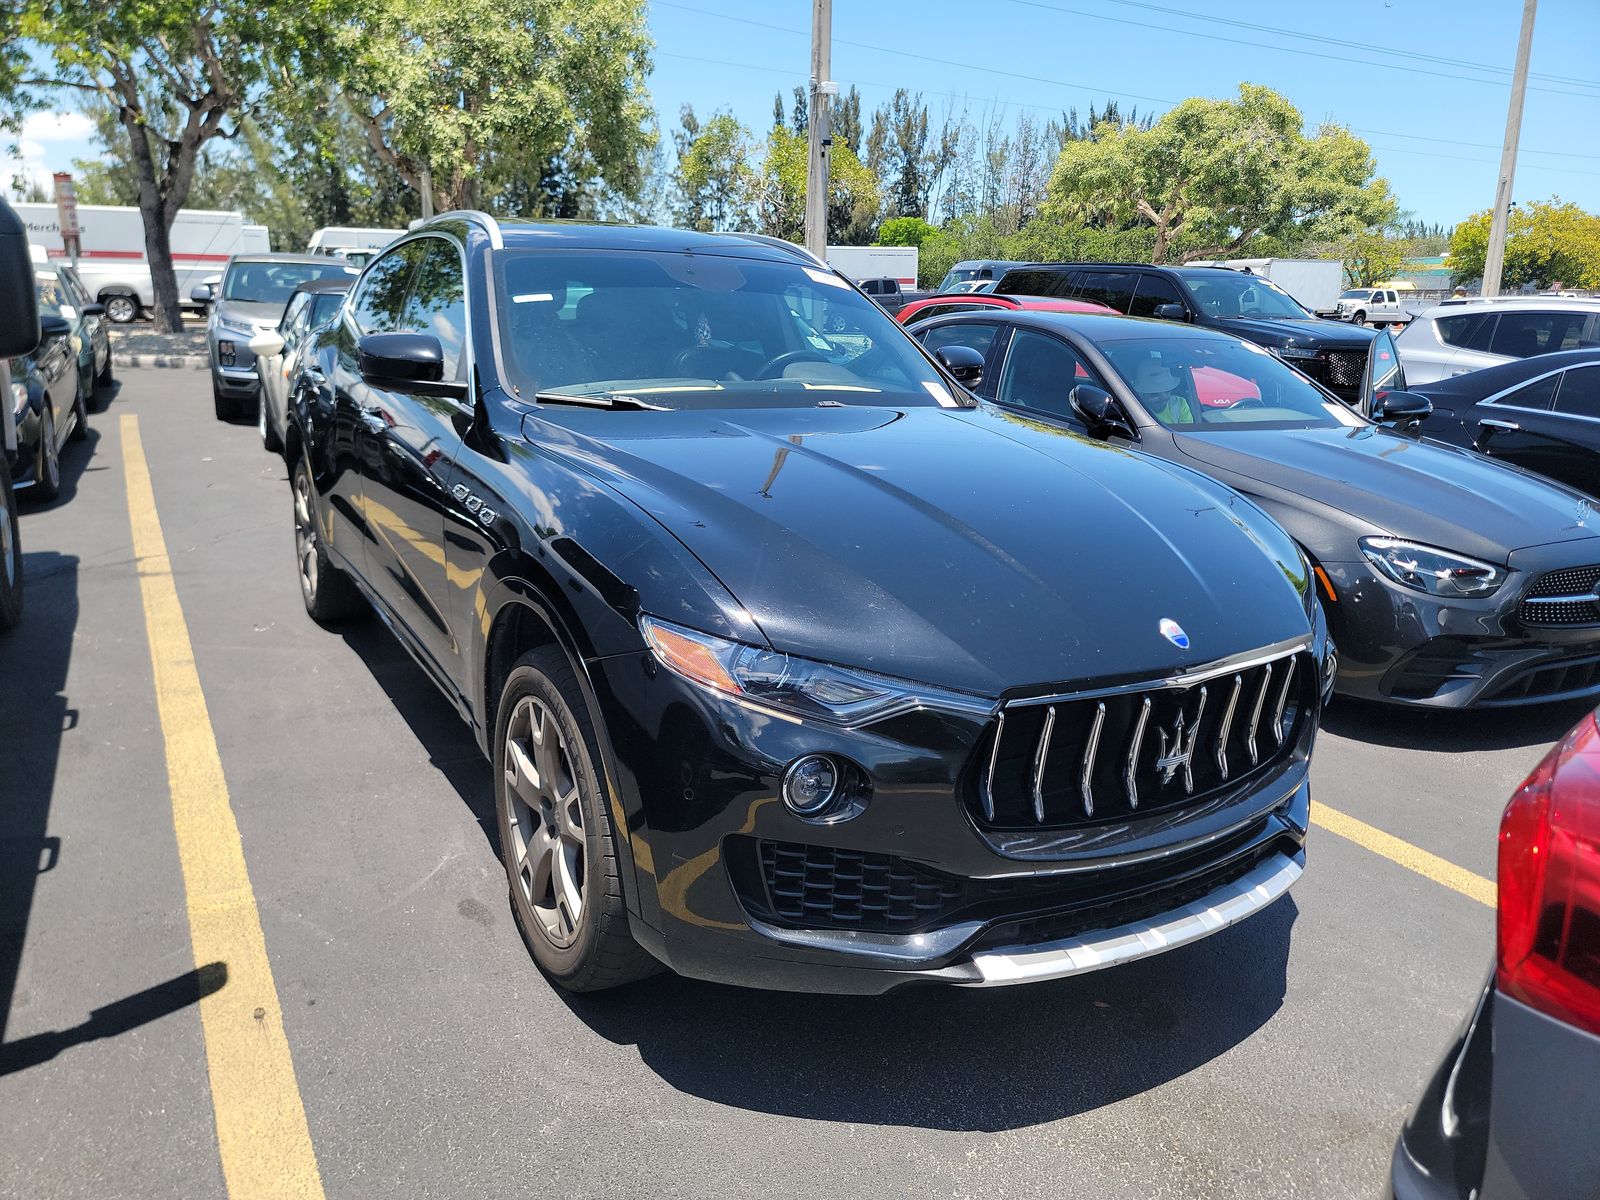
(1158, 386)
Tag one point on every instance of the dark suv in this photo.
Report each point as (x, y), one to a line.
(797, 666)
(1237, 302)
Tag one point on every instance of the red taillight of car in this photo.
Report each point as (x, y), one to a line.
(1549, 933)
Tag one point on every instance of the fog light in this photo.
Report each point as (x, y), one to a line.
(810, 784)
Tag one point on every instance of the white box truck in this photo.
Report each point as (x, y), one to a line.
(858, 263)
(1314, 282)
(111, 257)
(358, 245)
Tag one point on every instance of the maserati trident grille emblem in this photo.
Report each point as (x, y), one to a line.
(1179, 751)
(1174, 633)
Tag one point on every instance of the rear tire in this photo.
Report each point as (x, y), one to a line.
(47, 461)
(120, 310)
(104, 378)
(556, 839)
(10, 552)
(330, 595)
(270, 441)
(80, 426)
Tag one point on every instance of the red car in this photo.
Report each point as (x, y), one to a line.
(949, 302)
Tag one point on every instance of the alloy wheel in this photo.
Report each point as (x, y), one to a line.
(261, 419)
(545, 818)
(305, 536)
(52, 453)
(120, 309)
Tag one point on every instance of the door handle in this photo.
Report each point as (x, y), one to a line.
(1494, 423)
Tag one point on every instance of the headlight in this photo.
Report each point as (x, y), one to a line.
(1426, 569)
(239, 329)
(1299, 352)
(773, 679)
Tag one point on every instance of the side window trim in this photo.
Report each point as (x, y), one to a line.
(1498, 399)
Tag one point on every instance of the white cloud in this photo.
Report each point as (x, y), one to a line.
(57, 127)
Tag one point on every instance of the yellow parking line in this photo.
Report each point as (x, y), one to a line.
(262, 1137)
(1412, 858)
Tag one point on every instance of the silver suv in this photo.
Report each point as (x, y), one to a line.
(1454, 338)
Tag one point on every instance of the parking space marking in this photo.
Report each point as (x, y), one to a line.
(1412, 858)
(262, 1136)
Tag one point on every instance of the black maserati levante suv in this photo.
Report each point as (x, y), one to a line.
(797, 666)
(1449, 580)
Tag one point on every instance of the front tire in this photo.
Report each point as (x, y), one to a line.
(556, 838)
(270, 441)
(1360, 318)
(80, 424)
(47, 461)
(330, 595)
(105, 378)
(10, 551)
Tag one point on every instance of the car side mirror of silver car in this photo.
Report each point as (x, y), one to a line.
(201, 294)
(1100, 411)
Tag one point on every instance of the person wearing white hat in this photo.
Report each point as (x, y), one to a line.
(1157, 386)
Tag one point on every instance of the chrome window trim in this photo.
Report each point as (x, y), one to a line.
(1543, 412)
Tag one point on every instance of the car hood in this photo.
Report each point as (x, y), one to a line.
(1329, 335)
(250, 312)
(1420, 490)
(963, 548)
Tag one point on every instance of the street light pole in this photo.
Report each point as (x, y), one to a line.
(820, 128)
(1494, 261)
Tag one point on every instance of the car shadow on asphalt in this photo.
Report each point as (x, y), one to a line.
(935, 1057)
(970, 1060)
(104, 396)
(1451, 731)
(77, 460)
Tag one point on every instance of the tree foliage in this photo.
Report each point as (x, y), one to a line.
(485, 93)
(905, 231)
(1374, 257)
(781, 196)
(1211, 175)
(1547, 243)
(716, 181)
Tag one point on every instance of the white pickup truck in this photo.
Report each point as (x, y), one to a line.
(1378, 307)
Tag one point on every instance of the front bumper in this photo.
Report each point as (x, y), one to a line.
(698, 779)
(1405, 647)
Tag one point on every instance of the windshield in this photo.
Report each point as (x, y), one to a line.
(1215, 385)
(701, 331)
(1228, 294)
(956, 276)
(275, 282)
(1355, 294)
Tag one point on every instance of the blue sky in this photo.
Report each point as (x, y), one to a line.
(1051, 54)
(1435, 126)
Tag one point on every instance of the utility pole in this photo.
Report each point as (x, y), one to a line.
(1495, 260)
(820, 127)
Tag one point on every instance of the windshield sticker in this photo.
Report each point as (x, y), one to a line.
(940, 395)
(826, 277)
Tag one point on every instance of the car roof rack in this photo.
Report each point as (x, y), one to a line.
(477, 216)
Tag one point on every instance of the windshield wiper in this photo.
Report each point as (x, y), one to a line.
(614, 400)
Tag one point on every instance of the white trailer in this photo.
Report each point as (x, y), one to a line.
(111, 256)
(349, 241)
(876, 262)
(1314, 282)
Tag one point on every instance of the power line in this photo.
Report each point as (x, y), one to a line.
(1475, 145)
(1216, 37)
(1350, 45)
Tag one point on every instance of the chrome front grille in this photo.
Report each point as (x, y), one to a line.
(1566, 597)
(1091, 757)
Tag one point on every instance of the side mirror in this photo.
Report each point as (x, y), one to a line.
(202, 294)
(1170, 312)
(1099, 410)
(93, 310)
(54, 327)
(406, 362)
(965, 363)
(266, 344)
(1400, 407)
(19, 332)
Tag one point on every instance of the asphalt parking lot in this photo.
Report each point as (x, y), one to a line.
(1275, 1059)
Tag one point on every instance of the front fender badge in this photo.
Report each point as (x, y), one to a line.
(1174, 633)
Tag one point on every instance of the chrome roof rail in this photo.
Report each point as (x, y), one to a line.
(477, 217)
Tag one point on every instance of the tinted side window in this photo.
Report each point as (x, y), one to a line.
(941, 310)
(1537, 394)
(380, 297)
(1469, 330)
(1111, 288)
(1153, 290)
(1039, 373)
(1036, 283)
(438, 303)
(1580, 392)
(978, 337)
(1524, 334)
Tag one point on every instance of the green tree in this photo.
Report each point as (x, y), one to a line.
(905, 231)
(781, 196)
(1546, 244)
(906, 157)
(177, 75)
(553, 88)
(1373, 257)
(716, 183)
(1211, 175)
